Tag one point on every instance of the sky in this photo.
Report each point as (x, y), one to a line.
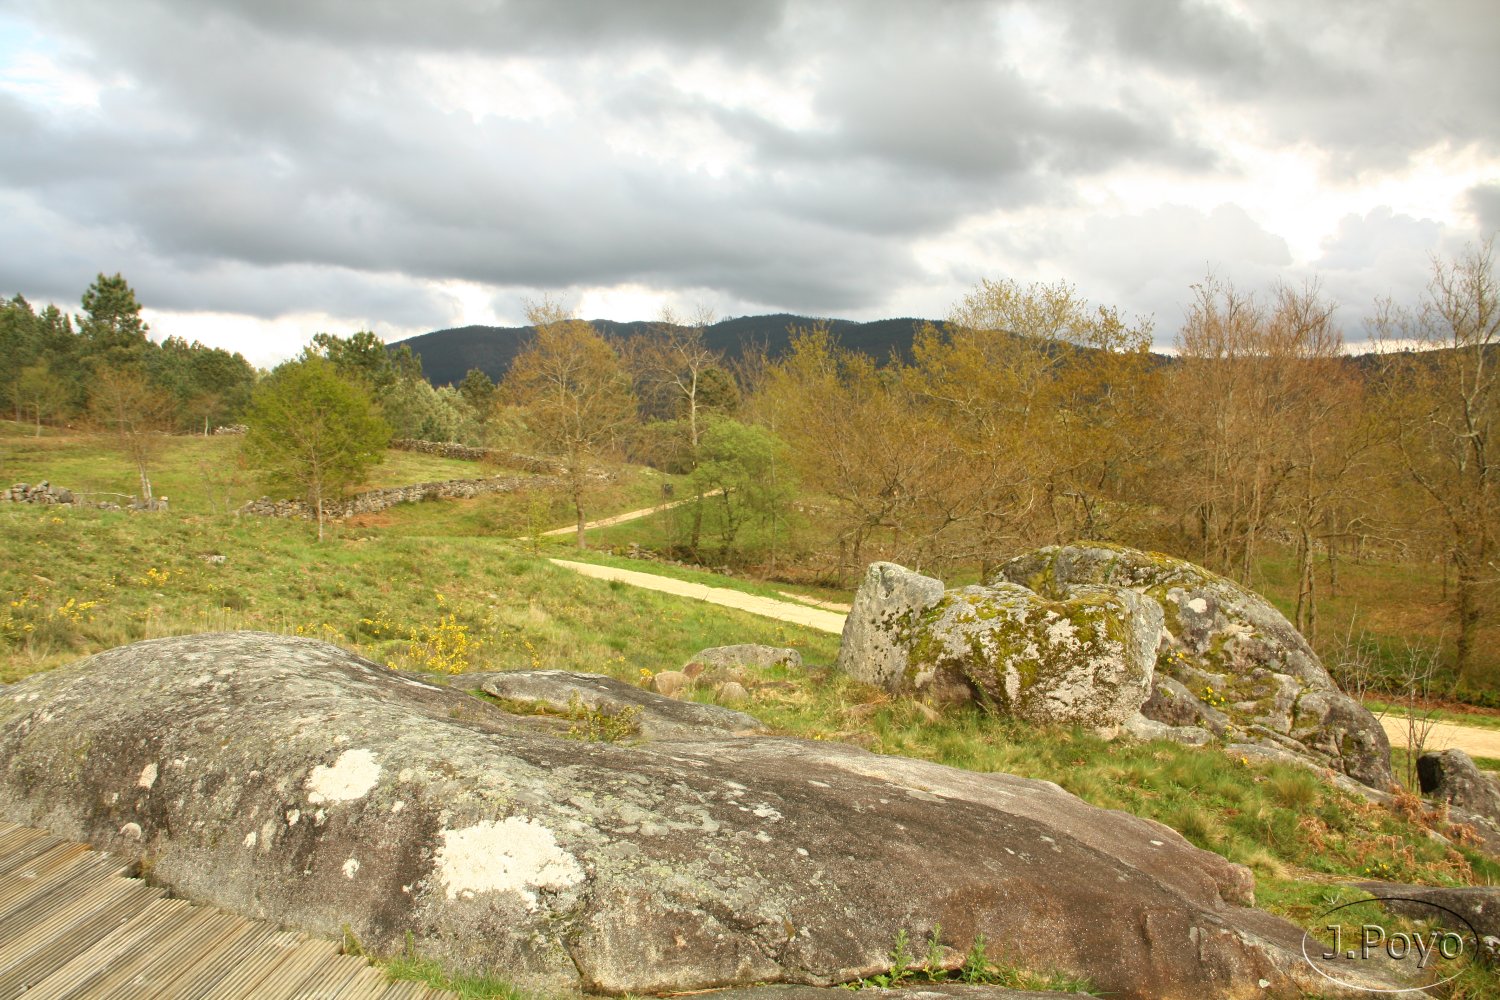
(261, 170)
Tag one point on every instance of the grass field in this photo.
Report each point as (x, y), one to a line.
(446, 586)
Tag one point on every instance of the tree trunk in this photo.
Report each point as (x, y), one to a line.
(1466, 610)
(577, 478)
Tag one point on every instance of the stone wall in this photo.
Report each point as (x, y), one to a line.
(47, 494)
(372, 501)
(462, 452)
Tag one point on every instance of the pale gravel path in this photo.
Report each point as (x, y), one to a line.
(766, 607)
(1447, 736)
(633, 515)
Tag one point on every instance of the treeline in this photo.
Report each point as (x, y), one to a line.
(59, 368)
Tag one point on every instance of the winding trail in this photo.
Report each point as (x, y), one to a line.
(633, 515)
(766, 607)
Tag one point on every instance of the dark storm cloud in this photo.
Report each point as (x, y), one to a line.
(1372, 81)
(276, 156)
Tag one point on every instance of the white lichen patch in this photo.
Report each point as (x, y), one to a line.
(148, 776)
(514, 855)
(1063, 634)
(131, 830)
(397, 806)
(351, 868)
(250, 839)
(351, 777)
(292, 816)
(1198, 604)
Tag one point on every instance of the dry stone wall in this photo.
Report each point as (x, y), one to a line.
(464, 453)
(374, 501)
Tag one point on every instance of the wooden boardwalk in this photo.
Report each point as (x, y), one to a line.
(73, 925)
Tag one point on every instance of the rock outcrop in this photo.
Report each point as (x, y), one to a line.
(650, 715)
(289, 779)
(1242, 670)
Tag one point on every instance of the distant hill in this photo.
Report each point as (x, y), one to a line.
(447, 355)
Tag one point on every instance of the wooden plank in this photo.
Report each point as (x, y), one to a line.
(72, 927)
(52, 870)
(100, 958)
(27, 908)
(287, 976)
(126, 972)
(13, 838)
(19, 862)
(369, 984)
(168, 962)
(45, 946)
(211, 973)
(259, 964)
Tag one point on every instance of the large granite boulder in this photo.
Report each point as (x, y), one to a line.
(1086, 657)
(877, 631)
(1232, 652)
(289, 779)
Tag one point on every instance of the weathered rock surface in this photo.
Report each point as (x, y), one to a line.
(1453, 777)
(747, 654)
(1085, 657)
(654, 716)
(1232, 652)
(877, 632)
(289, 779)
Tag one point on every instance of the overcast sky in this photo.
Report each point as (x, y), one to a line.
(260, 170)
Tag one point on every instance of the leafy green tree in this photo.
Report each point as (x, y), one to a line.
(478, 391)
(41, 392)
(361, 355)
(313, 432)
(737, 478)
(114, 335)
(20, 343)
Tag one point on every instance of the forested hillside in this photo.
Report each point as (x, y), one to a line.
(448, 355)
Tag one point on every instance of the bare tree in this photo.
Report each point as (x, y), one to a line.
(136, 415)
(1444, 407)
(573, 392)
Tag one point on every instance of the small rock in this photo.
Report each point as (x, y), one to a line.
(670, 683)
(733, 693)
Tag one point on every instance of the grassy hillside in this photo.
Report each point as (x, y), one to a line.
(444, 586)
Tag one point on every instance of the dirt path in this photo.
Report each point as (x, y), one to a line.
(1447, 736)
(766, 607)
(633, 515)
